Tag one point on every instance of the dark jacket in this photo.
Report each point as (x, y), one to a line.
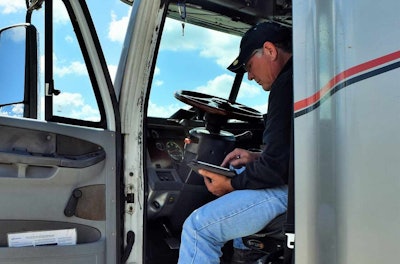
(271, 169)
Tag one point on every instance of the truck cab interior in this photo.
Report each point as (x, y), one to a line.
(206, 123)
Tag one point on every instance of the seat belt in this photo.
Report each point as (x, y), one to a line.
(289, 227)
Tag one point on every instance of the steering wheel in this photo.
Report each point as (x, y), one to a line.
(218, 106)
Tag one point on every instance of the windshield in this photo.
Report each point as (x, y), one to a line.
(195, 58)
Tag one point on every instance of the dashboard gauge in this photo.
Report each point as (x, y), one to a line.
(174, 150)
(160, 146)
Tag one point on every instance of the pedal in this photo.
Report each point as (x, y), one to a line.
(172, 242)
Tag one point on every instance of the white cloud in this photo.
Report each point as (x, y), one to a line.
(73, 105)
(163, 111)
(41, 69)
(17, 35)
(75, 67)
(248, 90)
(69, 99)
(112, 69)
(224, 48)
(60, 14)
(117, 28)
(9, 7)
(15, 6)
(261, 108)
(157, 71)
(158, 82)
(4, 112)
(65, 68)
(87, 112)
(16, 110)
(221, 86)
(69, 39)
(211, 44)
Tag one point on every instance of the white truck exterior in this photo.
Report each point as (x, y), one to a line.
(102, 178)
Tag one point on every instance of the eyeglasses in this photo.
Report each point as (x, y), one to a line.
(248, 64)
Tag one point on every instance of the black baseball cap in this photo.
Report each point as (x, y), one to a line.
(255, 38)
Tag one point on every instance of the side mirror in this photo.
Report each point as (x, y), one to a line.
(18, 71)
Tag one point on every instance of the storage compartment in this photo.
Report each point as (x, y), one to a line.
(92, 253)
(90, 247)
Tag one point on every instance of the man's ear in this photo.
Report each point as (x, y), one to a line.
(271, 50)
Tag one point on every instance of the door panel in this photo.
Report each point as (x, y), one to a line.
(54, 176)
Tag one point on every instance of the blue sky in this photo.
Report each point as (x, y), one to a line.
(196, 60)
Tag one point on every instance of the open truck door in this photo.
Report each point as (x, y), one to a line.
(59, 172)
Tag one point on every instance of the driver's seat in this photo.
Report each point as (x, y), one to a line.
(270, 240)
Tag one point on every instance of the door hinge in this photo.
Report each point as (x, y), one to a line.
(130, 198)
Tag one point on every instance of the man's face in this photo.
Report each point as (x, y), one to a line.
(261, 67)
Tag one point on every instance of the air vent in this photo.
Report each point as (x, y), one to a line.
(165, 176)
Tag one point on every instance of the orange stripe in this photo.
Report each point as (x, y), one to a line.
(342, 76)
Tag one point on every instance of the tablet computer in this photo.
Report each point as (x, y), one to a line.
(197, 164)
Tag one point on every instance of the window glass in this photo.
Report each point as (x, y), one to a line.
(110, 18)
(76, 99)
(195, 58)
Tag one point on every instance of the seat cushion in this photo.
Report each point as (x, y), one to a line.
(270, 238)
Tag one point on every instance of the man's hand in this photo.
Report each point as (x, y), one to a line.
(217, 184)
(239, 157)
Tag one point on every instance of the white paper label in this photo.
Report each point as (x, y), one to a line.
(60, 237)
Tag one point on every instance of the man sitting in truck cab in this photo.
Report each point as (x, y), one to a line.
(258, 194)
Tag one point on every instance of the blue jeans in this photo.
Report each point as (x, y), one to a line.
(234, 215)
